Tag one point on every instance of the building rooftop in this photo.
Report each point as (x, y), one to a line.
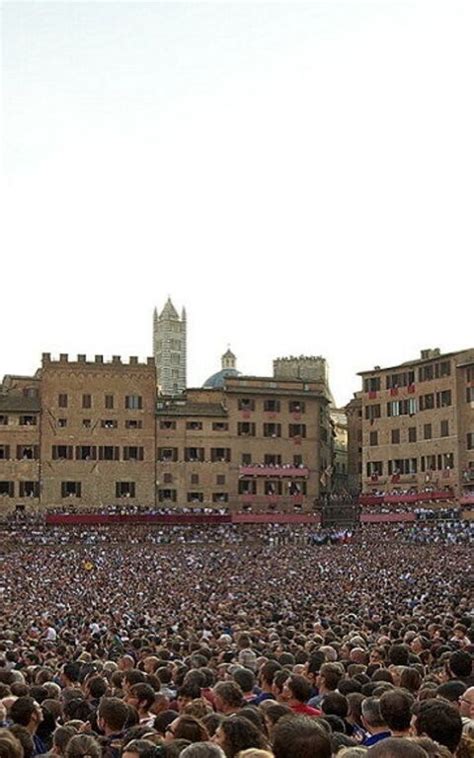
(434, 355)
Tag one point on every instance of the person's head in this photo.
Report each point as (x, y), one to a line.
(399, 655)
(329, 676)
(71, 673)
(267, 673)
(296, 689)
(202, 750)
(410, 679)
(371, 716)
(335, 704)
(25, 739)
(460, 664)
(451, 690)
(26, 712)
(396, 747)
(466, 703)
(112, 715)
(187, 728)
(273, 713)
(140, 748)
(10, 746)
(141, 696)
(61, 737)
(228, 697)
(300, 737)
(245, 679)
(439, 720)
(237, 733)
(96, 687)
(395, 708)
(163, 720)
(83, 746)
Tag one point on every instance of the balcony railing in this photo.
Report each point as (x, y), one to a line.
(277, 500)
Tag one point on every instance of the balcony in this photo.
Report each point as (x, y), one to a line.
(274, 471)
(467, 476)
(278, 501)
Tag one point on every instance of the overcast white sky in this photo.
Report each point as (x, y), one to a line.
(298, 175)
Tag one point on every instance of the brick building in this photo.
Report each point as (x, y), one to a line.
(418, 424)
(86, 434)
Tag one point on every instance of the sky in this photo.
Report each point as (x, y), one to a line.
(298, 175)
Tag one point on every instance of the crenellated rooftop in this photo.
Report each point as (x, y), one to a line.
(81, 360)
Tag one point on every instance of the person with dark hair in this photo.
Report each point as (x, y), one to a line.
(301, 737)
(162, 721)
(141, 696)
(112, 716)
(410, 679)
(459, 666)
(395, 709)
(228, 697)
(399, 655)
(396, 747)
(373, 722)
(26, 712)
(451, 690)
(335, 704)
(439, 720)
(61, 737)
(236, 733)
(296, 693)
(265, 680)
(329, 677)
(25, 739)
(187, 728)
(272, 713)
(70, 674)
(246, 681)
(10, 746)
(95, 687)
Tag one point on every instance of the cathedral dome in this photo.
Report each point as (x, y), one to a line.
(228, 370)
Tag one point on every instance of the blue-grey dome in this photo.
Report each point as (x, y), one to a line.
(218, 379)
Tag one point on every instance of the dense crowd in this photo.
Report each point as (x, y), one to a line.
(225, 641)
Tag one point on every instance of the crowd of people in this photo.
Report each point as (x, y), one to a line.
(224, 641)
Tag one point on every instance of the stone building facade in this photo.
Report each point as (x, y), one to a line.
(169, 349)
(354, 443)
(418, 424)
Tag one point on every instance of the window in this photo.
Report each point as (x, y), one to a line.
(195, 497)
(86, 423)
(220, 497)
(109, 453)
(194, 425)
(428, 463)
(271, 406)
(133, 453)
(62, 422)
(372, 384)
(27, 452)
(168, 454)
(27, 420)
(86, 453)
(167, 424)
(402, 466)
(62, 453)
(393, 408)
(109, 423)
(395, 436)
(4, 452)
(296, 489)
(71, 489)
(404, 379)
(448, 460)
(427, 432)
(469, 395)
(29, 489)
(3, 420)
(247, 487)
(220, 454)
(167, 478)
(444, 428)
(297, 430)
(297, 460)
(109, 402)
(372, 411)
(167, 495)
(87, 401)
(373, 438)
(194, 454)
(427, 402)
(62, 400)
(245, 429)
(7, 489)
(272, 430)
(220, 479)
(220, 426)
(374, 468)
(194, 478)
(296, 406)
(470, 440)
(246, 459)
(133, 402)
(272, 460)
(412, 434)
(246, 404)
(124, 489)
(133, 423)
(443, 399)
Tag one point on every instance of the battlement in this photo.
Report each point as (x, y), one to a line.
(81, 360)
(306, 367)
